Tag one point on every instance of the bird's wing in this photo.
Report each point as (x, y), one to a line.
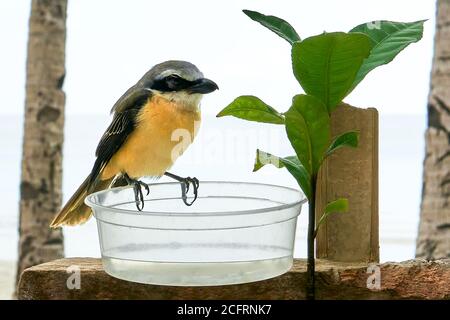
(132, 97)
(122, 125)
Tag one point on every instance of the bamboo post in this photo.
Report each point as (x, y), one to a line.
(353, 174)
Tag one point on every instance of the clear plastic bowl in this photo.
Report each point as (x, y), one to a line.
(234, 233)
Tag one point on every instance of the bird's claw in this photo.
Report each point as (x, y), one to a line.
(146, 187)
(185, 186)
(138, 194)
(138, 197)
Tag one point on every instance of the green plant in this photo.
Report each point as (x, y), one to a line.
(328, 67)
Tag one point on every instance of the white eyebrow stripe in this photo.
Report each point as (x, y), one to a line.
(189, 77)
(169, 72)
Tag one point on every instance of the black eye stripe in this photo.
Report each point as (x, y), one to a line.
(171, 83)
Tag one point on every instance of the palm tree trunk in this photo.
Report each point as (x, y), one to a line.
(40, 188)
(434, 230)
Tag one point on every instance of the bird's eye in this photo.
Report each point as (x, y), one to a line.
(172, 76)
(173, 81)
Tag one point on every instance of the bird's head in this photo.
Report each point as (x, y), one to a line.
(178, 81)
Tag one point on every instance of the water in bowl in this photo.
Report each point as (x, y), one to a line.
(234, 268)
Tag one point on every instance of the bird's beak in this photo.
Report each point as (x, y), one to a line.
(203, 86)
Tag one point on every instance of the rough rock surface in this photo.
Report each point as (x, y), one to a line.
(414, 279)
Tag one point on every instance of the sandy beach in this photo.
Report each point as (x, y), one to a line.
(7, 278)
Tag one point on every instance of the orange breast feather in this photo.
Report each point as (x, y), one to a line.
(163, 132)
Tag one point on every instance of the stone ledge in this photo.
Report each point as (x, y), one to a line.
(413, 279)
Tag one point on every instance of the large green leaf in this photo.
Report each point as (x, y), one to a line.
(308, 130)
(337, 206)
(388, 39)
(275, 24)
(292, 164)
(253, 109)
(347, 139)
(326, 65)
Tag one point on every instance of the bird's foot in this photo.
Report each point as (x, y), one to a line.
(137, 188)
(185, 186)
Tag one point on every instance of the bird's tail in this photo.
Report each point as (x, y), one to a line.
(76, 211)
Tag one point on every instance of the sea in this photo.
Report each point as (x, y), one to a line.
(224, 150)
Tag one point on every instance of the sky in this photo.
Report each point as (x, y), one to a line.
(112, 43)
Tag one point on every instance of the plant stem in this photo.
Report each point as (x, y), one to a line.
(310, 267)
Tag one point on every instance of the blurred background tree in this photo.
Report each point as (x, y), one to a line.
(40, 188)
(434, 230)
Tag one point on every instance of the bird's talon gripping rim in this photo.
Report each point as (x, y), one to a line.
(138, 194)
(146, 187)
(197, 183)
(185, 184)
